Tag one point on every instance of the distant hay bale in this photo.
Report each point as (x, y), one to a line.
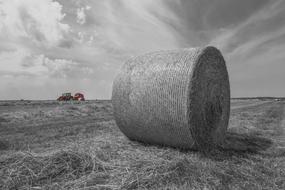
(177, 98)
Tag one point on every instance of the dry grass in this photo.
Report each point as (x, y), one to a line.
(61, 170)
(89, 152)
(31, 170)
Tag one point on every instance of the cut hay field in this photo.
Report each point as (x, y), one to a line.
(77, 145)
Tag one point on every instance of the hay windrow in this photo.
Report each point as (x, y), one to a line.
(178, 98)
(27, 169)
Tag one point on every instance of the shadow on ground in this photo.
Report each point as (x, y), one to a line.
(235, 143)
(246, 143)
(4, 145)
(239, 146)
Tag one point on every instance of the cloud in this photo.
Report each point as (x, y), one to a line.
(36, 20)
(61, 68)
(10, 61)
(56, 68)
(81, 16)
(132, 26)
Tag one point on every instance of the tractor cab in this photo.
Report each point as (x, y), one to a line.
(67, 94)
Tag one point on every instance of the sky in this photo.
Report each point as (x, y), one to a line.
(48, 47)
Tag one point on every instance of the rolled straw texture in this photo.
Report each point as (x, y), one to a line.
(178, 98)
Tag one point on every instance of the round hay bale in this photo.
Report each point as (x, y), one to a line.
(178, 98)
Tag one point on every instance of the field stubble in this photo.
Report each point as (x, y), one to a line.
(51, 145)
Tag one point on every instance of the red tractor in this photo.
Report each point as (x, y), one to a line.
(65, 97)
(79, 97)
(69, 97)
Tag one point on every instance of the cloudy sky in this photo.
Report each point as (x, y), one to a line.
(51, 46)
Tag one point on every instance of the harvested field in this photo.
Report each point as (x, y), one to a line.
(71, 145)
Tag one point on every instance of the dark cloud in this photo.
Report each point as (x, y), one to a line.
(215, 14)
(267, 23)
(201, 20)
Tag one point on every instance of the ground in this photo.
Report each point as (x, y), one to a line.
(77, 145)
